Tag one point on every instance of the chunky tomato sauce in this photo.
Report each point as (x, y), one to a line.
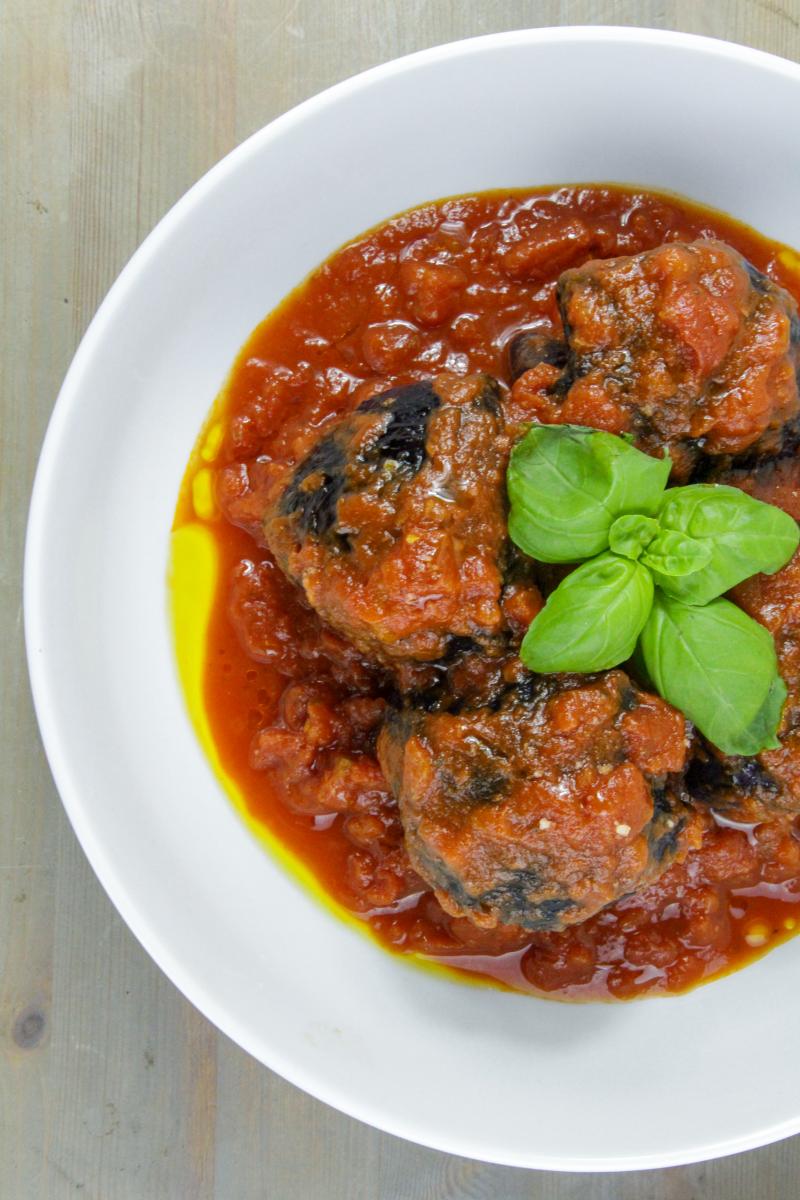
(294, 711)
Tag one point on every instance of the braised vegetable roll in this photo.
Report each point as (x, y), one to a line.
(394, 525)
(687, 347)
(546, 807)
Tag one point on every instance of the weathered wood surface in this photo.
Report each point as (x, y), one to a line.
(111, 1086)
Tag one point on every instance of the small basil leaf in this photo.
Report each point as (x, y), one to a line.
(630, 534)
(593, 618)
(675, 555)
(744, 536)
(567, 484)
(718, 666)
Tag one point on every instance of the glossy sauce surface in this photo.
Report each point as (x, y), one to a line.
(294, 711)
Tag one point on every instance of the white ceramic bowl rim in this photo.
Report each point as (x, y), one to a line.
(168, 956)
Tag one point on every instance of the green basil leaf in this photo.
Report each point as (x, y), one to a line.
(567, 484)
(765, 725)
(718, 666)
(630, 534)
(675, 555)
(593, 618)
(744, 536)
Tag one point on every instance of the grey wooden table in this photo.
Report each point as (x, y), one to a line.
(112, 1087)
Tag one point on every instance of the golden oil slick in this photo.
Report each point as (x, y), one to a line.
(193, 578)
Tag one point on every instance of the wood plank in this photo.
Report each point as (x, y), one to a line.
(37, 342)
(111, 1085)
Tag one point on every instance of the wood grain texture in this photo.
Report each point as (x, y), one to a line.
(112, 1087)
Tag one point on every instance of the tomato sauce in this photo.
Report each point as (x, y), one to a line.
(293, 711)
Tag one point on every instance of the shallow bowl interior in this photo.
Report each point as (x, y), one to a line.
(498, 1076)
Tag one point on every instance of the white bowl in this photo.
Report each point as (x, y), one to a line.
(497, 1076)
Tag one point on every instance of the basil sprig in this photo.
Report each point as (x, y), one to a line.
(655, 562)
